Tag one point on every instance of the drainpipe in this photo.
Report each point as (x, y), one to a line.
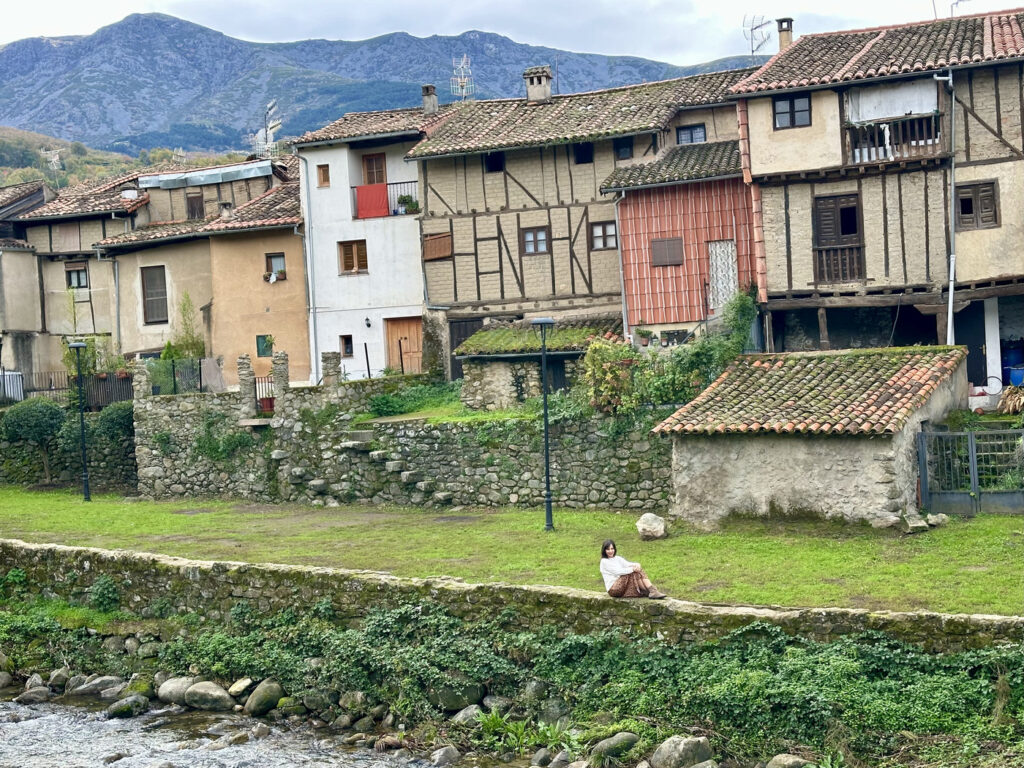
(948, 80)
(310, 271)
(619, 197)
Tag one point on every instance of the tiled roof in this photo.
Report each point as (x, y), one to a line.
(158, 230)
(835, 57)
(277, 207)
(521, 337)
(378, 123)
(102, 196)
(10, 244)
(15, 192)
(480, 126)
(685, 162)
(866, 391)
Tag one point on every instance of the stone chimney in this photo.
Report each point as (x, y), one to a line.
(227, 210)
(538, 84)
(785, 33)
(429, 100)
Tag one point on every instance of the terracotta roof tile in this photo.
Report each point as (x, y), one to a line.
(15, 192)
(862, 54)
(277, 207)
(11, 244)
(158, 230)
(685, 162)
(354, 124)
(103, 196)
(521, 337)
(480, 126)
(865, 391)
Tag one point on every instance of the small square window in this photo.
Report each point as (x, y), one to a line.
(275, 266)
(323, 175)
(583, 153)
(352, 257)
(691, 134)
(977, 206)
(345, 345)
(623, 147)
(494, 162)
(792, 111)
(265, 345)
(602, 236)
(535, 240)
(667, 252)
(76, 275)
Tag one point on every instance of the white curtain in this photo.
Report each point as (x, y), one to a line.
(878, 102)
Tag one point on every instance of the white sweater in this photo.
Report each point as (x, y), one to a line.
(613, 567)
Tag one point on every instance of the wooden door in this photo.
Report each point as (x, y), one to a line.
(405, 334)
(458, 332)
(969, 327)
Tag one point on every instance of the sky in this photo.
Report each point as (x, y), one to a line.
(676, 31)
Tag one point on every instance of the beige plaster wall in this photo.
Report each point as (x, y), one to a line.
(79, 310)
(815, 146)
(719, 123)
(992, 253)
(244, 305)
(19, 282)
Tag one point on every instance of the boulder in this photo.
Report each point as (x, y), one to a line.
(260, 731)
(560, 760)
(264, 698)
(35, 695)
(149, 650)
(315, 701)
(456, 696)
(58, 678)
(617, 745)
(445, 756)
(681, 752)
(364, 724)
(535, 690)
(499, 704)
(75, 682)
(291, 705)
(160, 678)
(133, 706)
(787, 761)
(97, 684)
(541, 758)
(208, 697)
(552, 710)
(113, 692)
(378, 712)
(173, 690)
(650, 526)
(34, 681)
(114, 644)
(707, 764)
(936, 520)
(5, 680)
(6, 664)
(140, 684)
(240, 686)
(468, 715)
(353, 700)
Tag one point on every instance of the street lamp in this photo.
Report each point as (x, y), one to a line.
(3, 376)
(78, 346)
(545, 324)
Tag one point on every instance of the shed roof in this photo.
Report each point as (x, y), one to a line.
(522, 338)
(903, 49)
(14, 192)
(383, 122)
(864, 391)
(685, 162)
(92, 197)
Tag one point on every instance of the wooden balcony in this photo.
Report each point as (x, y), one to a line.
(914, 137)
(839, 264)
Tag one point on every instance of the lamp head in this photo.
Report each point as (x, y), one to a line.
(77, 345)
(367, 321)
(545, 322)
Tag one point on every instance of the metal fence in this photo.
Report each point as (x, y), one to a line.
(971, 472)
(263, 390)
(175, 377)
(98, 390)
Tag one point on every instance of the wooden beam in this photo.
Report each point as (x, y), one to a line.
(822, 329)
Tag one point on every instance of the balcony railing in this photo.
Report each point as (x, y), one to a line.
(371, 201)
(905, 138)
(839, 264)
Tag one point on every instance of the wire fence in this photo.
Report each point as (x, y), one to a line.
(175, 377)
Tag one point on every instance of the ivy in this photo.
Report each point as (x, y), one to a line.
(217, 443)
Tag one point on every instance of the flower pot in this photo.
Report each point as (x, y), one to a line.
(664, 341)
(645, 340)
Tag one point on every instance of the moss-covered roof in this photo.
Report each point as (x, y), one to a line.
(686, 162)
(865, 391)
(522, 338)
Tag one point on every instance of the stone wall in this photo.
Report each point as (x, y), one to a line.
(211, 589)
(494, 385)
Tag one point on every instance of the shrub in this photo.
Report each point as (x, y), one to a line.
(116, 422)
(103, 595)
(36, 421)
(415, 398)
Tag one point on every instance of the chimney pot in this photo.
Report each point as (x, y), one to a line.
(785, 32)
(429, 100)
(538, 84)
(227, 210)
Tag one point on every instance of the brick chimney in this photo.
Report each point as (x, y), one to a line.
(538, 84)
(785, 32)
(429, 100)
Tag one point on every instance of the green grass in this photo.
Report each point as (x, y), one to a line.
(971, 566)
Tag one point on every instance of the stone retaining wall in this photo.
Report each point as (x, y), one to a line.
(211, 589)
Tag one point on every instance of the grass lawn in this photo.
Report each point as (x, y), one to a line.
(974, 566)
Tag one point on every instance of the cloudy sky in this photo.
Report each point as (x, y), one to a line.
(677, 31)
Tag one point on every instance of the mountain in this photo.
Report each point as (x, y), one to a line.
(156, 80)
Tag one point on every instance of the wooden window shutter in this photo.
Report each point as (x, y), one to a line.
(826, 222)
(987, 212)
(361, 264)
(965, 215)
(437, 246)
(667, 252)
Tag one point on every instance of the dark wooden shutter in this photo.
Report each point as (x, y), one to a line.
(667, 252)
(985, 206)
(966, 220)
(437, 246)
(195, 205)
(827, 230)
(362, 263)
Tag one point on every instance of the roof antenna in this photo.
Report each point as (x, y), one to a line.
(53, 160)
(263, 142)
(462, 78)
(953, 5)
(755, 33)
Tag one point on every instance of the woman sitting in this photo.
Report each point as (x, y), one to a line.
(623, 578)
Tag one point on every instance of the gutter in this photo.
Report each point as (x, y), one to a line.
(671, 183)
(948, 80)
(351, 139)
(522, 355)
(622, 269)
(310, 271)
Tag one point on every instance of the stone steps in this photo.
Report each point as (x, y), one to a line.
(362, 435)
(411, 476)
(356, 445)
(442, 497)
(394, 466)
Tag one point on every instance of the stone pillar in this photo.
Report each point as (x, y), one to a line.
(330, 365)
(280, 374)
(246, 387)
(141, 385)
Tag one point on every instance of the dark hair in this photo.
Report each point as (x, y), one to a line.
(604, 547)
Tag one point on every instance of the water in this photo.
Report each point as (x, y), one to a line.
(59, 736)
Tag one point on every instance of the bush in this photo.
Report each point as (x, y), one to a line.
(415, 398)
(36, 421)
(116, 422)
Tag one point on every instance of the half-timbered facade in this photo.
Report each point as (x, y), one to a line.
(875, 154)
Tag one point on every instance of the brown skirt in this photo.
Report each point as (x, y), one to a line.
(630, 585)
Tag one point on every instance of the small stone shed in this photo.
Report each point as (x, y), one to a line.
(825, 434)
(501, 362)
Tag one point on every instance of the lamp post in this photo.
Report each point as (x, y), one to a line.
(3, 376)
(545, 324)
(78, 346)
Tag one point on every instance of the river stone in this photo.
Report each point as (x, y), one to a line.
(468, 715)
(238, 738)
(364, 724)
(616, 745)
(787, 761)
(378, 712)
(58, 678)
(140, 684)
(560, 760)
(113, 692)
(315, 701)
(650, 526)
(552, 710)
(173, 690)
(353, 700)
(93, 687)
(708, 764)
(456, 696)
(681, 752)
(260, 731)
(34, 681)
(74, 682)
(5, 680)
(160, 678)
(342, 722)
(541, 758)
(133, 706)
(290, 705)
(445, 756)
(34, 696)
(6, 665)
(240, 686)
(499, 704)
(208, 697)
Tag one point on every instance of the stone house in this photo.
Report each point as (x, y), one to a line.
(874, 155)
(516, 222)
(361, 199)
(827, 434)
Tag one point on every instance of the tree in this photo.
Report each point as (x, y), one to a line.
(36, 421)
(79, 149)
(187, 340)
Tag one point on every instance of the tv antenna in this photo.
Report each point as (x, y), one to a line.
(52, 157)
(757, 32)
(953, 5)
(263, 142)
(462, 78)
(178, 156)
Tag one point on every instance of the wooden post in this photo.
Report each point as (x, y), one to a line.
(940, 327)
(769, 333)
(822, 329)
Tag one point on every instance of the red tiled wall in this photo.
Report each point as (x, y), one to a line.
(717, 210)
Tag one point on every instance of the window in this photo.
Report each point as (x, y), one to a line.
(437, 246)
(691, 134)
(602, 235)
(583, 153)
(792, 111)
(494, 162)
(275, 265)
(154, 295)
(839, 240)
(76, 274)
(623, 147)
(265, 345)
(535, 240)
(667, 252)
(352, 257)
(345, 345)
(977, 206)
(374, 169)
(323, 175)
(194, 204)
